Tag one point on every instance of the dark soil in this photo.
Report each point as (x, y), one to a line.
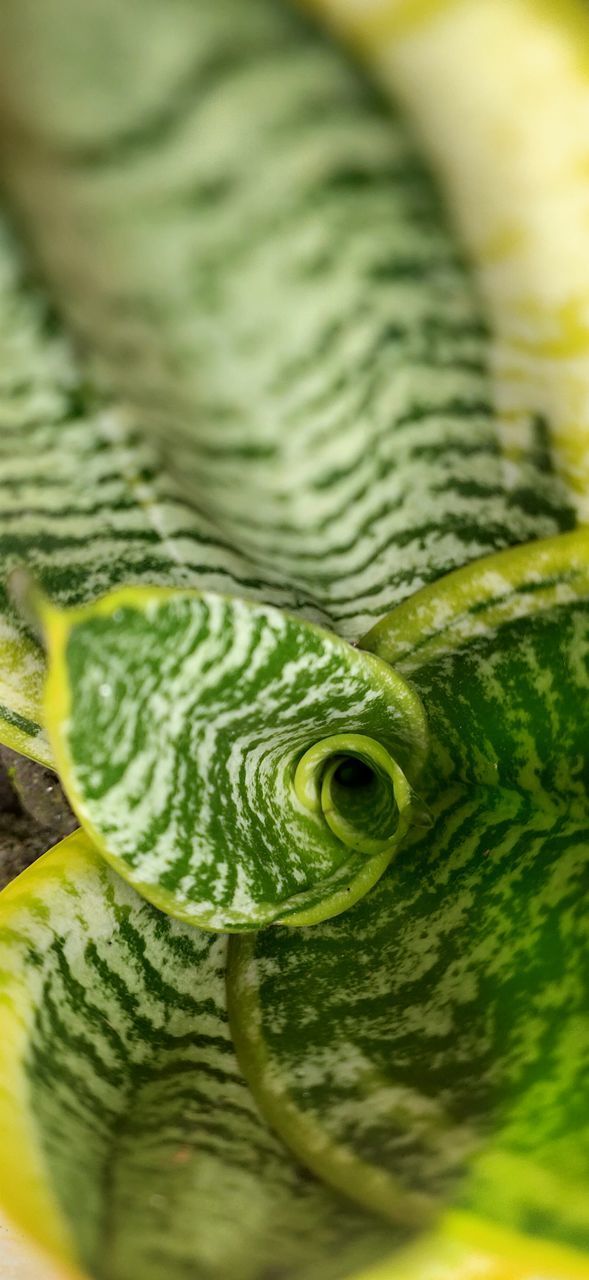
(34, 813)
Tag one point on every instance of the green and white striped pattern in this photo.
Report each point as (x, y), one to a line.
(278, 283)
(84, 501)
(130, 1143)
(280, 396)
(338, 475)
(258, 263)
(446, 1017)
(237, 765)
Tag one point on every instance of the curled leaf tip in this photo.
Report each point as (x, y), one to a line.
(356, 785)
(438, 1014)
(235, 764)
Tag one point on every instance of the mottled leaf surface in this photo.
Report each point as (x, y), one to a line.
(84, 500)
(130, 1143)
(267, 298)
(259, 267)
(237, 765)
(431, 1047)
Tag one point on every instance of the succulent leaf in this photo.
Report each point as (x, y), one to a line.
(238, 766)
(487, 83)
(426, 1053)
(130, 1143)
(444, 1062)
(326, 450)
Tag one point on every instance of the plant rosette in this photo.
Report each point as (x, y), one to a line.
(236, 765)
(426, 1052)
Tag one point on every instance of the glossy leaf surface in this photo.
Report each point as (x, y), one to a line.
(236, 765)
(85, 502)
(130, 1143)
(498, 91)
(447, 1037)
(446, 1025)
(286, 315)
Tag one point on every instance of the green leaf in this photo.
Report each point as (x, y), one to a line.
(130, 1143)
(85, 502)
(246, 241)
(446, 1046)
(236, 765)
(264, 308)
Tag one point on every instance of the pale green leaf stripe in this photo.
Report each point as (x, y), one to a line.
(239, 766)
(259, 265)
(445, 1060)
(83, 500)
(130, 1141)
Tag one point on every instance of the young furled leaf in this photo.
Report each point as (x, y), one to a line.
(295, 287)
(446, 1017)
(130, 1142)
(261, 268)
(236, 765)
(306, 354)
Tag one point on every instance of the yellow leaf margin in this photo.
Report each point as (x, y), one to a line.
(498, 91)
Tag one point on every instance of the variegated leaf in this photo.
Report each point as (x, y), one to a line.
(446, 1017)
(236, 765)
(249, 246)
(129, 1142)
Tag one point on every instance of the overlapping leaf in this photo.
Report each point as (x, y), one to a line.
(130, 1144)
(446, 1018)
(260, 273)
(205, 742)
(324, 464)
(259, 264)
(499, 94)
(85, 503)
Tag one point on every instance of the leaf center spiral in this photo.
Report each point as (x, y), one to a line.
(358, 788)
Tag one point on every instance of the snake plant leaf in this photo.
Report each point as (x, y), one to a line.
(237, 765)
(446, 1017)
(130, 1141)
(260, 267)
(517, 201)
(130, 1144)
(388, 372)
(84, 500)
